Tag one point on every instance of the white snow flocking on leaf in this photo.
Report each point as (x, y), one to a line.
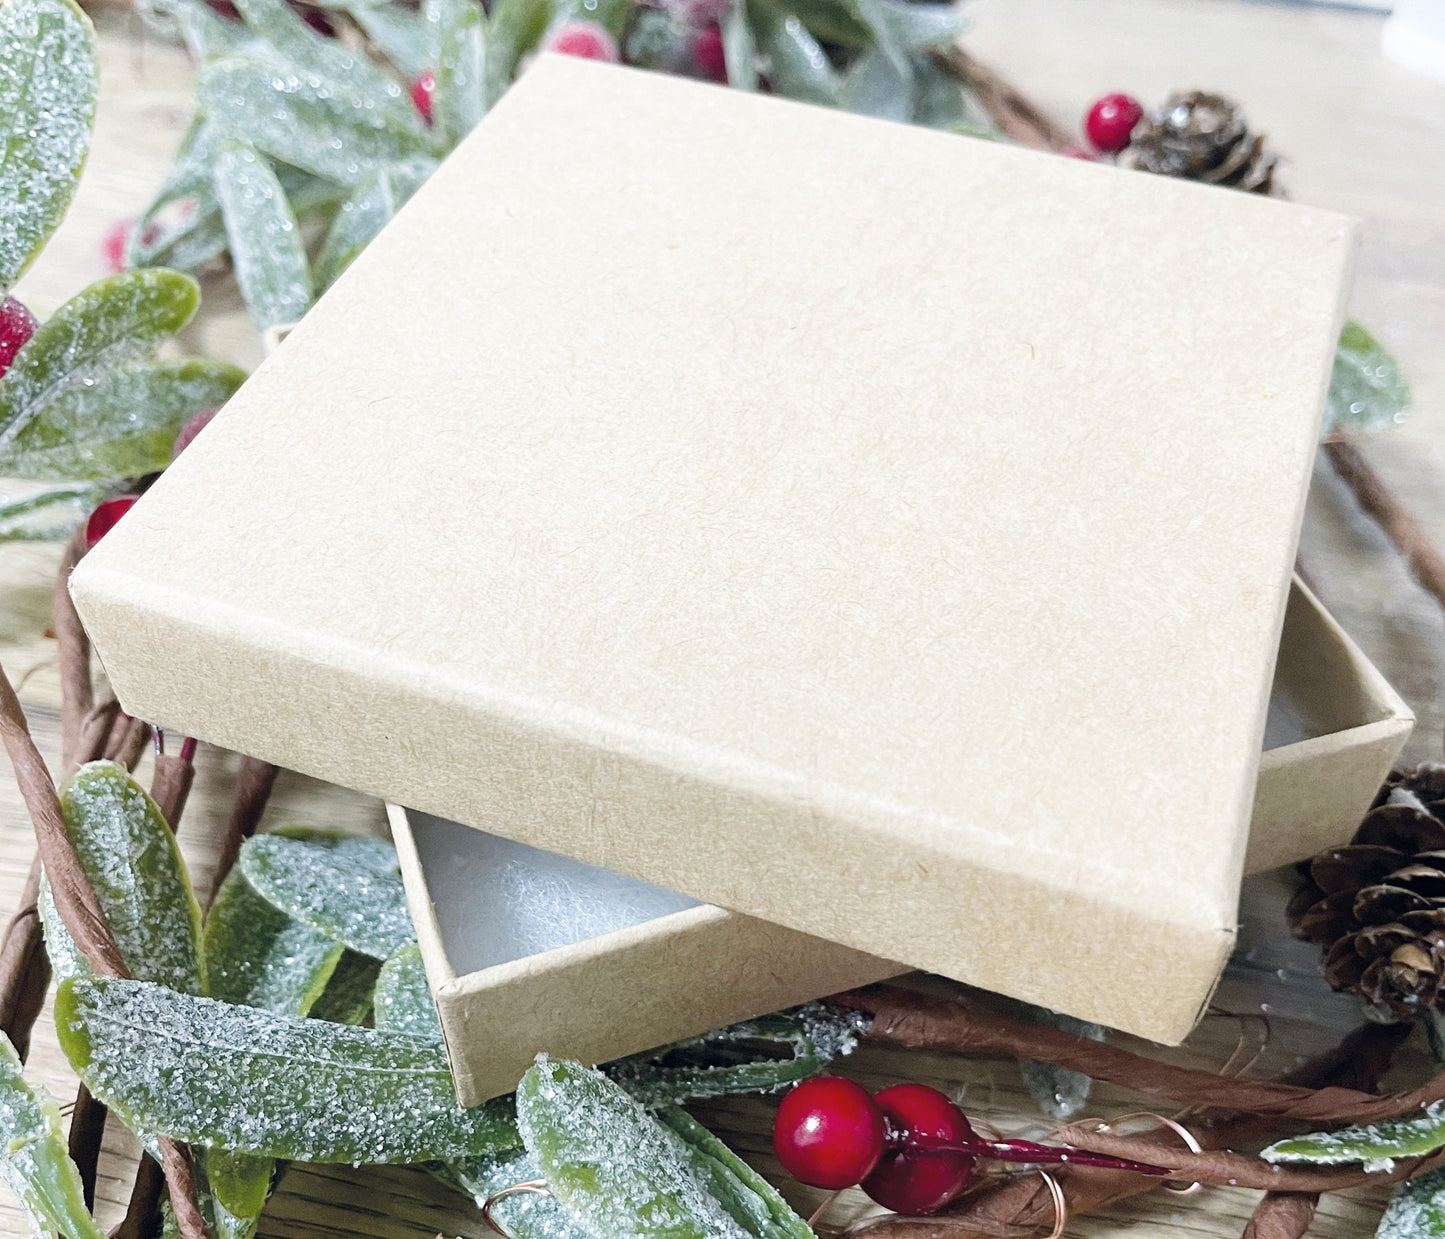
(220, 1075)
(1376, 1145)
(1417, 1209)
(265, 240)
(349, 889)
(33, 1157)
(47, 108)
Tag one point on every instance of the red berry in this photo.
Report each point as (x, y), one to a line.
(829, 1133)
(105, 517)
(190, 430)
(585, 39)
(708, 53)
(421, 92)
(910, 1179)
(1111, 121)
(113, 243)
(17, 325)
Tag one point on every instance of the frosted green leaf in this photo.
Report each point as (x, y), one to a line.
(130, 856)
(33, 1156)
(750, 1200)
(348, 996)
(236, 1187)
(526, 1215)
(330, 60)
(1416, 1211)
(755, 1056)
(740, 49)
(614, 16)
(258, 956)
(515, 27)
(399, 33)
(875, 87)
(123, 425)
(364, 214)
(349, 889)
(264, 238)
(47, 107)
(49, 516)
(460, 97)
(1376, 1145)
(888, 37)
(939, 101)
(1367, 391)
(326, 129)
(1057, 1091)
(403, 998)
(610, 1164)
(216, 1074)
(66, 961)
(919, 27)
(113, 321)
(208, 37)
(834, 21)
(799, 68)
(184, 205)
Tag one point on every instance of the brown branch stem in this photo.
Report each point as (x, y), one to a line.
(254, 781)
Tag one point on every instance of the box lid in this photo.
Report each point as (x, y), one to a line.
(869, 529)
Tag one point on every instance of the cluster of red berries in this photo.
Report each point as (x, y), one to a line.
(909, 1147)
(1109, 124)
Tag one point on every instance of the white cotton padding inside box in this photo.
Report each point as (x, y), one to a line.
(497, 901)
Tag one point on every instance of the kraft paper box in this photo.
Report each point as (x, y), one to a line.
(873, 531)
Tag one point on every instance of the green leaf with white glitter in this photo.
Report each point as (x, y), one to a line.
(834, 21)
(1057, 1091)
(1367, 391)
(349, 889)
(130, 856)
(49, 515)
(66, 961)
(750, 1200)
(184, 206)
(122, 426)
(111, 322)
(264, 238)
(921, 27)
(939, 101)
(330, 60)
(459, 98)
(399, 33)
(888, 35)
(325, 129)
(756, 1056)
(612, 1166)
(34, 1159)
(875, 87)
(348, 996)
(258, 956)
(364, 214)
(524, 1215)
(1376, 1145)
(798, 66)
(1416, 1211)
(403, 997)
(216, 1074)
(740, 47)
(47, 107)
(514, 28)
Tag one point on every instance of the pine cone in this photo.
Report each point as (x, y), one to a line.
(1377, 905)
(1202, 137)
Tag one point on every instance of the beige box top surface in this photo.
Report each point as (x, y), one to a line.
(878, 531)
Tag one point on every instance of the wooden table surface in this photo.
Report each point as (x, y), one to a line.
(1358, 135)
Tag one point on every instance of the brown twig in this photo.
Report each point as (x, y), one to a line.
(145, 1201)
(254, 781)
(1282, 1215)
(1021, 1206)
(1396, 520)
(76, 693)
(24, 968)
(906, 1018)
(78, 907)
(1013, 112)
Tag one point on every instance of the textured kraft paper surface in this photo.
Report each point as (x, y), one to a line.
(876, 531)
(1312, 794)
